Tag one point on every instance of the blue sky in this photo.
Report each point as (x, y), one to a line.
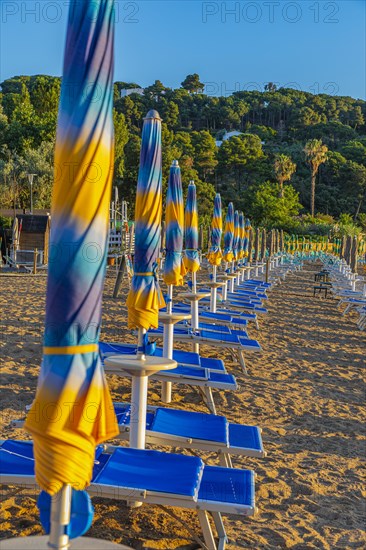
(314, 45)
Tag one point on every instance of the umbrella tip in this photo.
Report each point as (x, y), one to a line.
(153, 114)
(191, 182)
(175, 163)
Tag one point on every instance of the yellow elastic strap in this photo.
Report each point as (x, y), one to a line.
(148, 274)
(70, 350)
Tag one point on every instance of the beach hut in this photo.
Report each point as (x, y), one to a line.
(33, 234)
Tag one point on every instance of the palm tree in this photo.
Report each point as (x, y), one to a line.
(316, 153)
(284, 168)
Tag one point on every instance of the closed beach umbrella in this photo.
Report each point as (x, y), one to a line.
(72, 410)
(247, 230)
(215, 254)
(144, 298)
(174, 269)
(236, 235)
(256, 244)
(191, 256)
(263, 244)
(229, 234)
(241, 235)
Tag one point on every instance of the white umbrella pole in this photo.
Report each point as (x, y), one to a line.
(60, 518)
(232, 280)
(138, 403)
(213, 304)
(168, 336)
(194, 311)
(224, 288)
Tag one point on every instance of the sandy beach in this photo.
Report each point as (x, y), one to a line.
(306, 390)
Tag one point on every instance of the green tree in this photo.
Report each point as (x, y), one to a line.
(284, 168)
(316, 154)
(267, 210)
(121, 136)
(204, 147)
(192, 83)
(237, 153)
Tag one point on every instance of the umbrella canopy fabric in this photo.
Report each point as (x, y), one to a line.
(191, 257)
(236, 235)
(247, 229)
(215, 254)
(72, 410)
(241, 235)
(229, 234)
(174, 269)
(145, 298)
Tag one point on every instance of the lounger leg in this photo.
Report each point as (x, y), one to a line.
(206, 530)
(220, 530)
(242, 361)
(225, 460)
(209, 400)
(256, 323)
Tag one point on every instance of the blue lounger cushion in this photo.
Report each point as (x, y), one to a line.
(237, 314)
(152, 471)
(184, 357)
(247, 437)
(16, 458)
(217, 316)
(123, 414)
(227, 485)
(249, 343)
(208, 427)
(229, 338)
(214, 364)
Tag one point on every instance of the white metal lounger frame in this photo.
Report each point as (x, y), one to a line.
(239, 348)
(205, 387)
(127, 494)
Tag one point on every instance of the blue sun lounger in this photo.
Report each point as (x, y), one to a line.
(151, 477)
(236, 341)
(201, 378)
(186, 358)
(194, 430)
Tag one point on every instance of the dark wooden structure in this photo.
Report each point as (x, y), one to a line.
(34, 233)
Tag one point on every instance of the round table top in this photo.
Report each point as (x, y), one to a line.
(193, 296)
(216, 284)
(172, 318)
(231, 276)
(224, 277)
(81, 543)
(137, 366)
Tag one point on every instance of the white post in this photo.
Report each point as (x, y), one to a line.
(168, 336)
(213, 301)
(138, 412)
(60, 518)
(194, 312)
(169, 306)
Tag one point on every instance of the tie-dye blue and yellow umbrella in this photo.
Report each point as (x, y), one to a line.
(241, 236)
(236, 235)
(215, 255)
(145, 298)
(174, 269)
(191, 256)
(248, 227)
(229, 234)
(72, 386)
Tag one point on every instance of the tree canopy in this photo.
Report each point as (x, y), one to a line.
(275, 134)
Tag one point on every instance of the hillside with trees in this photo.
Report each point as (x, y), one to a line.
(291, 153)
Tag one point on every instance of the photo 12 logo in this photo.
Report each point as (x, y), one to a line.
(269, 12)
(29, 11)
(225, 89)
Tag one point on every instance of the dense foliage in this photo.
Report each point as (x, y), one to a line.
(267, 167)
